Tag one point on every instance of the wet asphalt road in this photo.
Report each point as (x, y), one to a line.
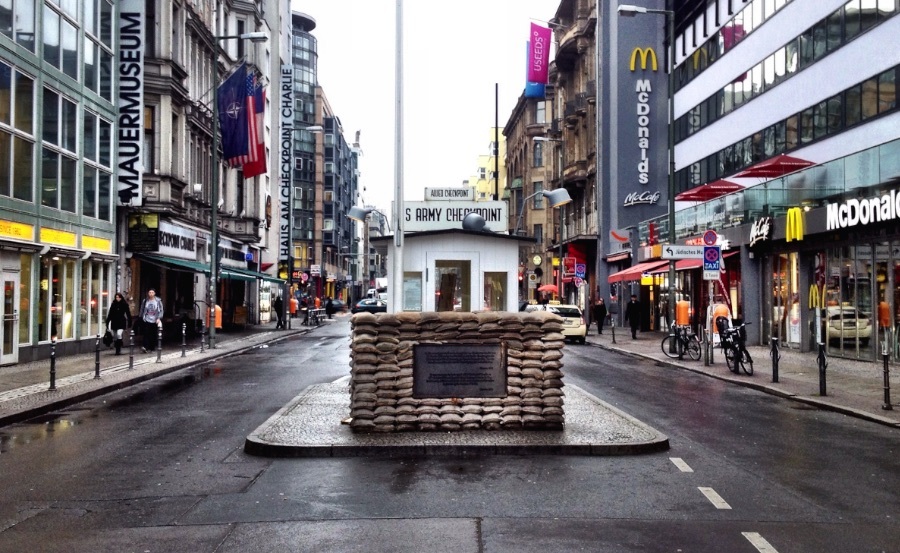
(160, 468)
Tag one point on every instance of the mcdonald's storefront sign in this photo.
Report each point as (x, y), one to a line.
(646, 55)
(793, 229)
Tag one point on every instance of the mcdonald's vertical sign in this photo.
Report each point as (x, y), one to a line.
(793, 229)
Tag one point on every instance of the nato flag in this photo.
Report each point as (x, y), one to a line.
(232, 104)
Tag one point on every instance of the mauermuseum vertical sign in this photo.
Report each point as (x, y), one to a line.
(130, 137)
(286, 104)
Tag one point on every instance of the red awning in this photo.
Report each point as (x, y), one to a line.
(634, 272)
(775, 167)
(681, 265)
(709, 191)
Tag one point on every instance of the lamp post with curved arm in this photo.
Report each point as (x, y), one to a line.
(563, 198)
(361, 214)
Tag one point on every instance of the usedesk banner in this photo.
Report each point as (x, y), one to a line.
(538, 54)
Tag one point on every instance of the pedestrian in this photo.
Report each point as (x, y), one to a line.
(329, 308)
(118, 318)
(600, 314)
(633, 315)
(278, 307)
(318, 302)
(293, 306)
(151, 320)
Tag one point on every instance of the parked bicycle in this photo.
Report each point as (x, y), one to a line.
(733, 341)
(686, 342)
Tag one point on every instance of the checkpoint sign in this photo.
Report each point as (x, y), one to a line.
(712, 259)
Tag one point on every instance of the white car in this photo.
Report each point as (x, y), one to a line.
(847, 323)
(573, 320)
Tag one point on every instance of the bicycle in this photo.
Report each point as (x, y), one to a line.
(732, 341)
(686, 343)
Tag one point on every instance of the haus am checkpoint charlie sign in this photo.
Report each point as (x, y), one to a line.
(443, 215)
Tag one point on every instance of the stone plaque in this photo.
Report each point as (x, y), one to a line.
(457, 370)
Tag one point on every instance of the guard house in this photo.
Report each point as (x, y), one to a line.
(457, 270)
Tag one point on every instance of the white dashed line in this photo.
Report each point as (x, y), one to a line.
(682, 466)
(714, 498)
(759, 542)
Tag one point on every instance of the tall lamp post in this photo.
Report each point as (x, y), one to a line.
(557, 199)
(559, 273)
(214, 193)
(626, 10)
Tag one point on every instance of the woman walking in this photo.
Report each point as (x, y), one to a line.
(118, 318)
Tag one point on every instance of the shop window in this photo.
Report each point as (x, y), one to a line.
(26, 289)
(869, 98)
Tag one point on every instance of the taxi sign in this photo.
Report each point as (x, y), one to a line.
(712, 256)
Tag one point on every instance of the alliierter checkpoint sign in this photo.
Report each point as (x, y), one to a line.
(425, 216)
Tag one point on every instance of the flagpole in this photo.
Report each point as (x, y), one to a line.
(214, 207)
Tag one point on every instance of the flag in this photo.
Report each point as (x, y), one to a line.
(250, 152)
(538, 54)
(257, 135)
(232, 105)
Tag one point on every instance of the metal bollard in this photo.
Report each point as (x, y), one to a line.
(130, 349)
(202, 332)
(53, 364)
(887, 378)
(97, 359)
(612, 328)
(183, 339)
(822, 361)
(159, 343)
(775, 358)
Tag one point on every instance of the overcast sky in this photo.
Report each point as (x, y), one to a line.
(454, 53)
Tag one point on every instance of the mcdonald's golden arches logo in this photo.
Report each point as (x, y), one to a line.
(645, 54)
(794, 226)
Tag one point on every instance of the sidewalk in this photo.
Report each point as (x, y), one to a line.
(25, 388)
(852, 387)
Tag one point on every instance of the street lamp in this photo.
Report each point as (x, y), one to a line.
(361, 214)
(290, 212)
(214, 194)
(561, 200)
(626, 10)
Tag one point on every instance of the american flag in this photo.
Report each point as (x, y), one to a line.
(252, 126)
(256, 137)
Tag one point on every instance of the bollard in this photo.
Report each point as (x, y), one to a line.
(822, 361)
(130, 349)
(53, 364)
(887, 378)
(183, 339)
(612, 328)
(775, 358)
(159, 343)
(202, 332)
(97, 359)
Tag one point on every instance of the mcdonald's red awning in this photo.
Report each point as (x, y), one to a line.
(634, 272)
(709, 191)
(775, 167)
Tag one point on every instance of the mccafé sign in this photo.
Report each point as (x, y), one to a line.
(862, 212)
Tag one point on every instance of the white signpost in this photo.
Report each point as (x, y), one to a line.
(676, 251)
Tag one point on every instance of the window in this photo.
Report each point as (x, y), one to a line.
(887, 91)
(17, 22)
(149, 147)
(538, 154)
(328, 225)
(540, 115)
(538, 198)
(539, 234)
(495, 291)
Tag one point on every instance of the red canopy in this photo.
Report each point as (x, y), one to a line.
(709, 191)
(635, 272)
(775, 167)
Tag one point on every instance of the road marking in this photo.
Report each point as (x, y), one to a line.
(759, 542)
(714, 498)
(682, 466)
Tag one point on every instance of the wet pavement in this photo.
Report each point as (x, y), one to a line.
(310, 424)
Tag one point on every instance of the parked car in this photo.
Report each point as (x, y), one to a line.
(574, 328)
(847, 323)
(370, 305)
(339, 305)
